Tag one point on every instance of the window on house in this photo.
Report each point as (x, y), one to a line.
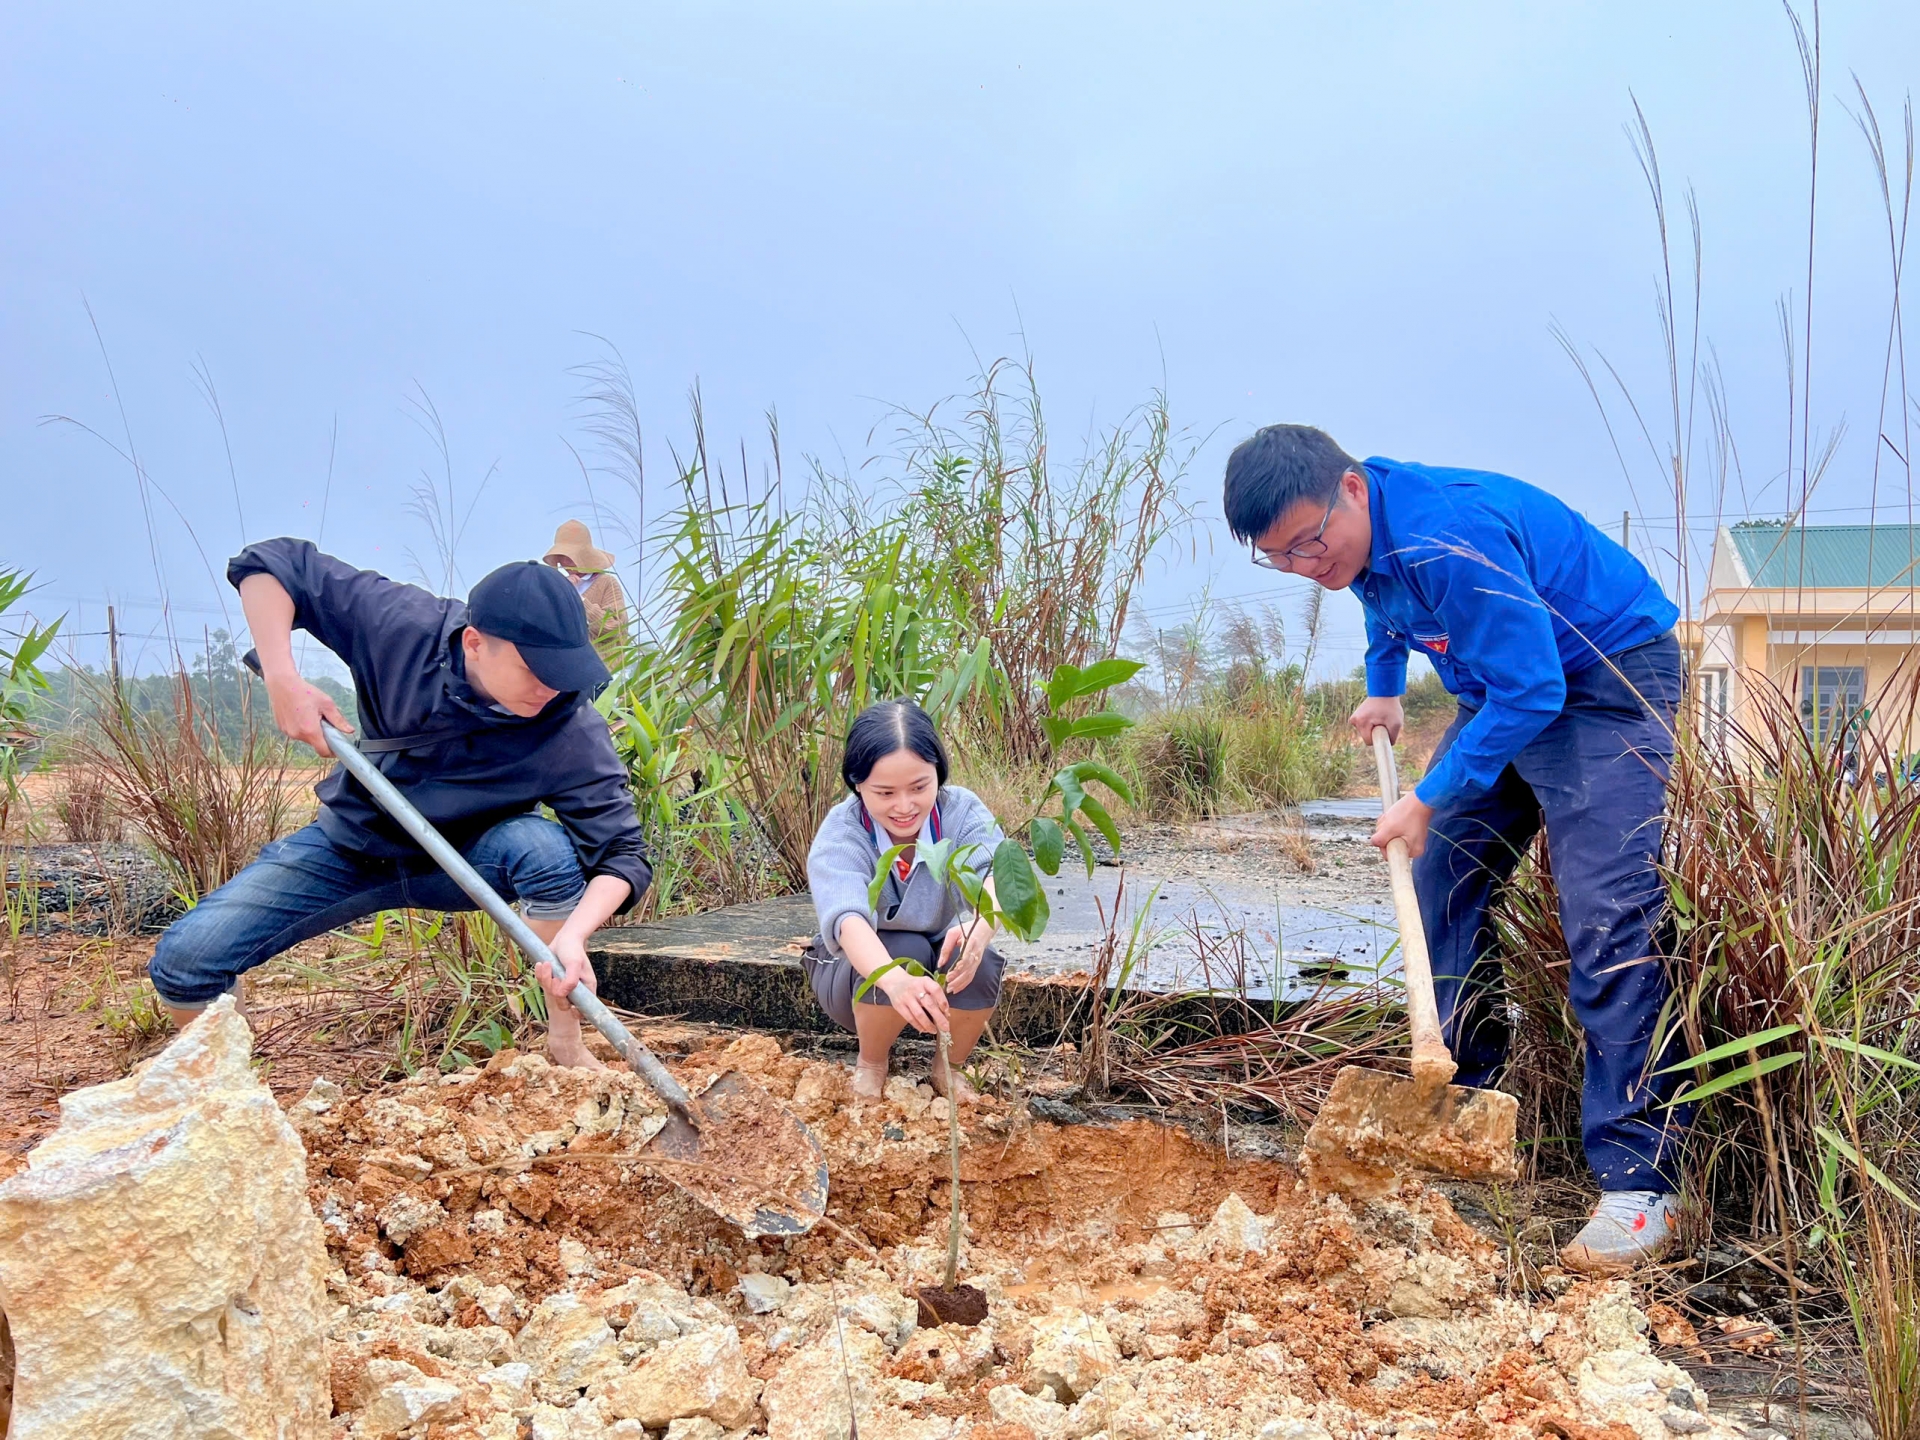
(1713, 704)
(1830, 696)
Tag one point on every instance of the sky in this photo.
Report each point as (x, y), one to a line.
(1369, 216)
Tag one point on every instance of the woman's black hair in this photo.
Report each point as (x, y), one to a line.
(880, 730)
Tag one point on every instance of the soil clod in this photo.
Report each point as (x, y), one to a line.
(962, 1305)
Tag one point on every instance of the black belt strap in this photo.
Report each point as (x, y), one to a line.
(387, 744)
(381, 744)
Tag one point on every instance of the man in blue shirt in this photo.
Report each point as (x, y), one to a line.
(1560, 649)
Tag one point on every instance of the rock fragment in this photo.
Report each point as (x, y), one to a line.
(568, 1346)
(807, 1399)
(698, 1375)
(1233, 1232)
(764, 1294)
(1072, 1352)
(393, 1395)
(1011, 1405)
(159, 1263)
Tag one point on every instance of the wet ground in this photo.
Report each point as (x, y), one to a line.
(1273, 905)
(1227, 904)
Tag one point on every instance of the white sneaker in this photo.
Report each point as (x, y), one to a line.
(1628, 1227)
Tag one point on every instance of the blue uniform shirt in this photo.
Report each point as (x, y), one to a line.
(1507, 591)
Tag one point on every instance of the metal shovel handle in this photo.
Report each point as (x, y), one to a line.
(1433, 1063)
(482, 894)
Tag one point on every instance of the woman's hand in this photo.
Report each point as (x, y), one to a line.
(917, 999)
(969, 938)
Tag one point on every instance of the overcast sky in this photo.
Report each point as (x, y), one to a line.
(1362, 215)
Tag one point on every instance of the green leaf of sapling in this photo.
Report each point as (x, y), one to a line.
(880, 873)
(1103, 725)
(1093, 770)
(1102, 821)
(1049, 844)
(1080, 838)
(1022, 902)
(1063, 686)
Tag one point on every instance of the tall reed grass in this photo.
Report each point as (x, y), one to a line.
(205, 807)
(1234, 723)
(1796, 948)
(963, 578)
(1795, 957)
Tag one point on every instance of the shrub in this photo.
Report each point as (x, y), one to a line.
(1181, 764)
(205, 810)
(84, 806)
(1795, 901)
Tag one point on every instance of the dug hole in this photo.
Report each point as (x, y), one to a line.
(480, 1256)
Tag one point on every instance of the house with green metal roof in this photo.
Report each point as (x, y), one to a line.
(1825, 614)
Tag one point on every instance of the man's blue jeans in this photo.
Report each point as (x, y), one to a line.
(305, 885)
(1597, 776)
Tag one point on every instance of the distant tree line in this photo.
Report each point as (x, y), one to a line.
(223, 692)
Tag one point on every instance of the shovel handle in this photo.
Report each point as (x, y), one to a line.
(1432, 1062)
(488, 899)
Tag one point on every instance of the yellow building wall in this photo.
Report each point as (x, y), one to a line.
(1889, 671)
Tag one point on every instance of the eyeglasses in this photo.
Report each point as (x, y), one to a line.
(1305, 550)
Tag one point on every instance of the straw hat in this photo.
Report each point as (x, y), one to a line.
(573, 547)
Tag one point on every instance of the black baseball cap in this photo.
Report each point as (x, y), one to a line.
(537, 608)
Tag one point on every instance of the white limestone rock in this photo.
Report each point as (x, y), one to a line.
(1233, 1232)
(807, 1398)
(159, 1264)
(763, 1294)
(1047, 1419)
(392, 1396)
(406, 1216)
(1072, 1352)
(569, 1347)
(702, 1374)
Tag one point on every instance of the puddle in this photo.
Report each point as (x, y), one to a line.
(1084, 1296)
(1229, 937)
(1361, 807)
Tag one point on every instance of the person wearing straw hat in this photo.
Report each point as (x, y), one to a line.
(591, 571)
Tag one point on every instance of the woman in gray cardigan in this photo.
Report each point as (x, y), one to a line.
(896, 767)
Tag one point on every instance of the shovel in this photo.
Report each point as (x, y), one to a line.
(1373, 1126)
(707, 1146)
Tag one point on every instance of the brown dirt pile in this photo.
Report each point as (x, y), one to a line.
(507, 1271)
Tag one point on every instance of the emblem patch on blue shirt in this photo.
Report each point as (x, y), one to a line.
(1435, 643)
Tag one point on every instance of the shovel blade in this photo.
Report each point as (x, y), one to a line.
(1375, 1127)
(751, 1161)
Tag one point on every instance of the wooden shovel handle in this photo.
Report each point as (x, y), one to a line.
(1432, 1062)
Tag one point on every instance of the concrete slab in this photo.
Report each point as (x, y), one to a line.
(1209, 935)
(1357, 807)
(741, 966)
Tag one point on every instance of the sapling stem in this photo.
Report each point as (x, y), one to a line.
(953, 1151)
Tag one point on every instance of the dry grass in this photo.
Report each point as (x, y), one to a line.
(205, 810)
(410, 991)
(84, 805)
(1795, 895)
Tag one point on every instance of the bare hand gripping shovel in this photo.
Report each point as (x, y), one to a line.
(1373, 1125)
(706, 1145)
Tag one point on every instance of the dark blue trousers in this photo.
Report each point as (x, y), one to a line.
(306, 885)
(1597, 778)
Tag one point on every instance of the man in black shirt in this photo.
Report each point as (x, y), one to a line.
(479, 712)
